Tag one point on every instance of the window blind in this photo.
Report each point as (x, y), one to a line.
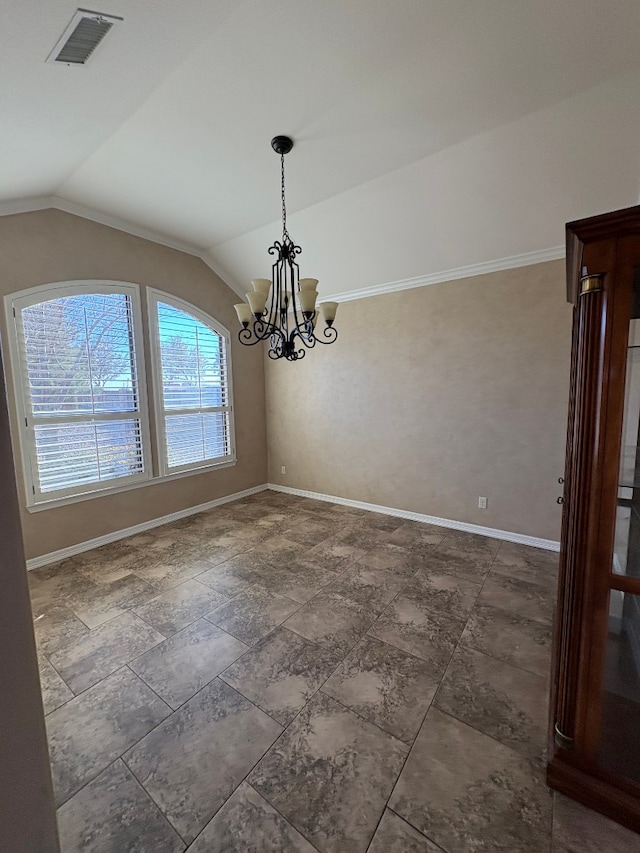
(195, 390)
(78, 369)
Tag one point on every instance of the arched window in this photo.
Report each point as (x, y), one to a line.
(78, 366)
(192, 385)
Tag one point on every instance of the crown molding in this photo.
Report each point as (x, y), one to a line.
(484, 267)
(28, 205)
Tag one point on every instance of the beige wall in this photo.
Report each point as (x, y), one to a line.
(27, 813)
(432, 397)
(47, 246)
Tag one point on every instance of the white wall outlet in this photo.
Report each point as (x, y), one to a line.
(283, 469)
(482, 503)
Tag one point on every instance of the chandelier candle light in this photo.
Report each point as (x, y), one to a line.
(283, 309)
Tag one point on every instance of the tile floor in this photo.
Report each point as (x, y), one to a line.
(281, 675)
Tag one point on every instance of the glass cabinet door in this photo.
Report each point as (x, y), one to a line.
(619, 740)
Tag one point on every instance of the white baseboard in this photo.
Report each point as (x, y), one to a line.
(90, 544)
(506, 535)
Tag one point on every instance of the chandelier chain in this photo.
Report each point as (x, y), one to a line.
(285, 233)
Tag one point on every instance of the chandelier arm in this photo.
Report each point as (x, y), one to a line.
(306, 337)
(329, 332)
(256, 334)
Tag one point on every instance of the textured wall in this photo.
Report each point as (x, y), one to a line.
(48, 246)
(432, 397)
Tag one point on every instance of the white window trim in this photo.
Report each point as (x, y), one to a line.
(153, 297)
(14, 304)
(31, 296)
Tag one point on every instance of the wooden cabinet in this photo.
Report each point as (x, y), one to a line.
(595, 701)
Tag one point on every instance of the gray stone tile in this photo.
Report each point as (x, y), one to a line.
(480, 549)
(400, 562)
(164, 573)
(444, 592)
(183, 664)
(499, 699)
(56, 627)
(161, 540)
(417, 536)
(521, 597)
(247, 822)
(296, 580)
(281, 673)
(577, 829)
(468, 792)
(459, 564)
(386, 686)
(109, 562)
(387, 523)
(507, 636)
(428, 634)
(362, 535)
(470, 542)
(373, 588)
(113, 814)
(527, 564)
(278, 522)
(233, 576)
(334, 622)
(104, 601)
(178, 607)
(311, 532)
(54, 691)
(120, 553)
(104, 650)
(52, 585)
(278, 550)
(330, 775)
(333, 554)
(253, 614)
(193, 761)
(92, 730)
(394, 835)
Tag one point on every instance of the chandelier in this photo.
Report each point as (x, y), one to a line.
(283, 309)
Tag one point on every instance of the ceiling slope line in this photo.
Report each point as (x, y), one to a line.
(27, 205)
(35, 203)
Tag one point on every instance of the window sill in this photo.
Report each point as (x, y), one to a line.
(152, 481)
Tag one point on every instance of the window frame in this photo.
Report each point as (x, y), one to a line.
(146, 342)
(15, 303)
(154, 296)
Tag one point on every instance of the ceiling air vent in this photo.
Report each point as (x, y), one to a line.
(85, 32)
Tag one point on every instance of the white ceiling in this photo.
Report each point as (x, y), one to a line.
(168, 127)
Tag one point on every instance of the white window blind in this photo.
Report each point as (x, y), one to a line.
(82, 407)
(193, 384)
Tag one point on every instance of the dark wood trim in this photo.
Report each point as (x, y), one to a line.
(625, 584)
(606, 226)
(607, 246)
(599, 794)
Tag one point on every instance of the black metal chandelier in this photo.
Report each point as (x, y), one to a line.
(283, 309)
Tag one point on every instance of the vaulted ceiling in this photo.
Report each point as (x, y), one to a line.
(168, 126)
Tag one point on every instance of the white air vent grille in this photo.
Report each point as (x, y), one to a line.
(83, 35)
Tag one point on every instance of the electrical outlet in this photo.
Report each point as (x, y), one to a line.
(283, 469)
(482, 503)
